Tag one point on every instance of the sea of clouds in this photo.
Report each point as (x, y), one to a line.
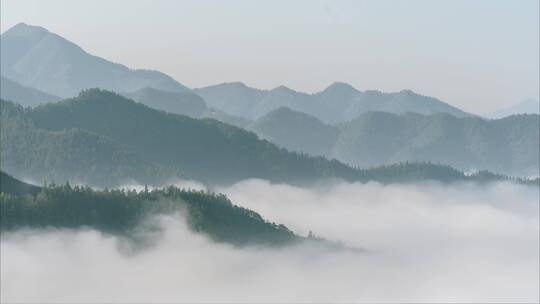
(425, 243)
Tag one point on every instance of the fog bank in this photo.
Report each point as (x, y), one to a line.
(428, 243)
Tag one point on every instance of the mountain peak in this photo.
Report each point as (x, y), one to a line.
(283, 89)
(237, 84)
(35, 57)
(407, 92)
(232, 85)
(23, 30)
(341, 86)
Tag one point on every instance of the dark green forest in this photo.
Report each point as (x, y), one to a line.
(121, 211)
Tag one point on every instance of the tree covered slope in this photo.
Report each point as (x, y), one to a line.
(76, 155)
(122, 211)
(101, 138)
(205, 150)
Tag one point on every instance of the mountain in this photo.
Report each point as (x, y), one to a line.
(296, 131)
(184, 103)
(205, 150)
(25, 96)
(102, 138)
(401, 102)
(235, 98)
(35, 57)
(507, 146)
(339, 102)
(529, 106)
(72, 155)
(124, 212)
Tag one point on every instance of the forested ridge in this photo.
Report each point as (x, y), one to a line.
(73, 154)
(103, 139)
(120, 211)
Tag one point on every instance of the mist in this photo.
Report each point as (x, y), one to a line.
(424, 243)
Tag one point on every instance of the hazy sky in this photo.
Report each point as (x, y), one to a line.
(478, 55)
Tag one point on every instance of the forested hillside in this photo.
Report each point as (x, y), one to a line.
(72, 154)
(121, 211)
(103, 139)
(205, 150)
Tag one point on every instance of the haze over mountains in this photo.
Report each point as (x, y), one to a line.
(509, 145)
(337, 103)
(124, 185)
(35, 57)
(174, 145)
(358, 128)
(82, 140)
(25, 96)
(529, 106)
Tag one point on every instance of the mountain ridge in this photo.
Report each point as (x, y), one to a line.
(171, 146)
(336, 103)
(35, 57)
(24, 95)
(506, 146)
(38, 58)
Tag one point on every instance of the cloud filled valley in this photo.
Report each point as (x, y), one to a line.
(427, 242)
(123, 183)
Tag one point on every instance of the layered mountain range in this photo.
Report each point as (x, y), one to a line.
(337, 103)
(103, 139)
(105, 134)
(509, 145)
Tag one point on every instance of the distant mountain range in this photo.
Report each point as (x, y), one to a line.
(508, 146)
(529, 106)
(35, 57)
(103, 139)
(360, 128)
(338, 103)
(467, 143)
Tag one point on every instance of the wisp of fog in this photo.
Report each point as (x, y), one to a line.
(424, 243)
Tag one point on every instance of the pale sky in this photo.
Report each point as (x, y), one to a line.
(478, 55)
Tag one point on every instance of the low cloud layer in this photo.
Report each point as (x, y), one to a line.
(426, 243)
